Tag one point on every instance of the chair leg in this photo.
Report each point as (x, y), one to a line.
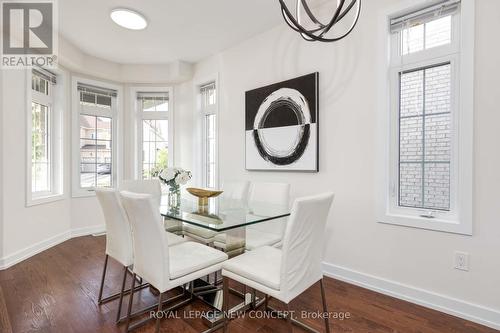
(129, 311)
(120, 302)
(99, 300)
(160, 303)
(325, 308)
(266, 302)
(225, 302)
(289, 319)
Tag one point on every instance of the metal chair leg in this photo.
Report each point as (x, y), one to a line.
(125, 271)
(129, 311)
(289, 319)
(325, 308)
(160, 304)
(99, 300)
(225, 302)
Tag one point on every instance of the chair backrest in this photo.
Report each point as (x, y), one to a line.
(262, 195)
(149, 239)
(149, 186)
(118, 232)
(303, 244)
(237, 190)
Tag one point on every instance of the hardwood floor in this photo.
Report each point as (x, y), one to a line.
(56, 291)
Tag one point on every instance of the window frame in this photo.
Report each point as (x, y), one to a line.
(55, 102)
(460, 55)
(139, 117)
(203, 112)
(116, 115)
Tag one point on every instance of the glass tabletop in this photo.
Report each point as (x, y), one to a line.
(222, 214)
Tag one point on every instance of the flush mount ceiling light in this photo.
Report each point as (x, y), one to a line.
(128, 18)
(312, 29)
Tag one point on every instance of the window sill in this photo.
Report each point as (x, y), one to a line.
(435, 224)
(40, 200)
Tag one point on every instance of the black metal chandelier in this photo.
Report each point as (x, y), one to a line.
(316, 30)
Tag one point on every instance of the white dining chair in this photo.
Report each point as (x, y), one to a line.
(119, 242)
(287, 272)
(233, 191)
(153, 187)
(162, 266)
(261, 197)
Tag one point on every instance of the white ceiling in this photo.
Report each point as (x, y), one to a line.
(187, 30)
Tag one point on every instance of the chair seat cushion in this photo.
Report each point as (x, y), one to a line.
(189, 257)
(254, 239)
(173, 239)
(261, 265)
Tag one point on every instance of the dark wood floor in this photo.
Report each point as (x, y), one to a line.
(56, 291)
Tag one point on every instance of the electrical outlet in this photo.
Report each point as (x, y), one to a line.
(462, 261)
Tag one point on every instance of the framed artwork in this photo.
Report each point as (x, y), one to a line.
(281, 126)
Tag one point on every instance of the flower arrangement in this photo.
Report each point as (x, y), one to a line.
(174, 178)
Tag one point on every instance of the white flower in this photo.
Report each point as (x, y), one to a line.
(182, 178)
(168, 174)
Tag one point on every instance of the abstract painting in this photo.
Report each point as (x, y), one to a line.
(281, 125)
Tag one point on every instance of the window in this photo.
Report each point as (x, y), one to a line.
(154, 128)
(428, 183)
(96, 128)
(43, 144)
(208, 95)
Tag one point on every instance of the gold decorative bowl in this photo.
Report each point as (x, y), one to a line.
(203, 194)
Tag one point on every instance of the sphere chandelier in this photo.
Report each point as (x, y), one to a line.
(317, 30)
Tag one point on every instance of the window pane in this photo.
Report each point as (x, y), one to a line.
(437, 186)
(438, 32)
(438, 89)
(410, 184)
(40, 148)
(104, 128)
(155, 147)
(410, 139)
(438, 138)
(154, 103)
(88, 127)
(412, 39)
(425, 36)
(412, 91)
(425, 138)
(96, 151)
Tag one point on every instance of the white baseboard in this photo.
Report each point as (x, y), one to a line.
(95, 229)
(32, 250)
(455, 307)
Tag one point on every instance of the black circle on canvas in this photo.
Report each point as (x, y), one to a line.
(283, 99)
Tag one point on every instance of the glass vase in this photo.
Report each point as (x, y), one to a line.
(174, 197)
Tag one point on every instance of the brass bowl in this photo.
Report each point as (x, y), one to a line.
(203, 194)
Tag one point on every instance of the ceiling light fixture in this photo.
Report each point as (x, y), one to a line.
(128, 19)
(310, 27)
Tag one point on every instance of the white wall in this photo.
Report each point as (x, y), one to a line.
(419, 259)
(1, 165)
(24, 227)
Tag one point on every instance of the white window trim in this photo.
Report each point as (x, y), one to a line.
(138, 117)
(200, 145)
(117, 116)
(463, 222)
(57, 102)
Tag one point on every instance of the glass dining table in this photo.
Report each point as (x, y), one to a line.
(230, 217)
